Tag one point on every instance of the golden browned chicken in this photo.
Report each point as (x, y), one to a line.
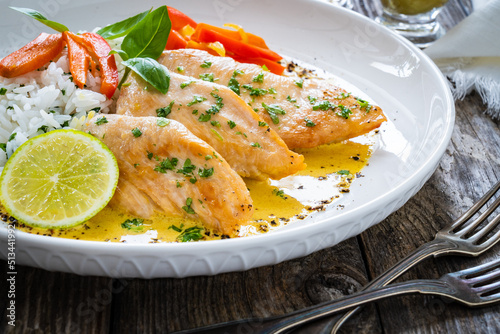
(164, 167)
(218, 116)
(305, 113)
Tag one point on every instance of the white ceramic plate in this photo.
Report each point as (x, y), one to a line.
(400, 78)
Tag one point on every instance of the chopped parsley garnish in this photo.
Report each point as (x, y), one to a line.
(344, 111)
(343, 172)
(289, 99)
(204, 172)
(206, 64)
(324, 105)
(215, 123)
(204, 117)
(258, 78)
(231, 124)
(43, 128)
(149, 155)
(187, 168)
(208, 77)
(255, 91)
(175, 228)
(136, 132)
(364, 105)
(165, 111)
(279, 193)
(3, 146)
(299, 83)
(180, 69)
(208, 157)
(191, 234)
(262, 123)
(274, 110)
(101, 120)
(188, 207)
(271, 90)
(196, 99)
(256, 145)
(166, 165)
(135, 165)
(217, 134)
(309, 123)
(218, 100)
(185, 84)
(234, 85)
(133, 224)
(3, 91)
(311, 99)
(161, 121)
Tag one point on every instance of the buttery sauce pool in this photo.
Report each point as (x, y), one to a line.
(330, 170)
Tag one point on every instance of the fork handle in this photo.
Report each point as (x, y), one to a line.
(281, 325)
(423, 252)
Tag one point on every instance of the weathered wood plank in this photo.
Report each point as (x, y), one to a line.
(48, 302)
(175, 304)
(469, 167)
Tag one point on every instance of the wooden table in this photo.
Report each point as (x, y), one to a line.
(51, 302)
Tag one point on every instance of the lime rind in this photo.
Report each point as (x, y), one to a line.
(59, 179)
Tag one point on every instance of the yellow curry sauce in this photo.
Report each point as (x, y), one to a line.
(330, 169)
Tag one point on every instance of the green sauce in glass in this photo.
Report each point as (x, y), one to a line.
(412, 7)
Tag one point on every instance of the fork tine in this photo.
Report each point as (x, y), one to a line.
(478, 271)
(487, 229)
(474, 209)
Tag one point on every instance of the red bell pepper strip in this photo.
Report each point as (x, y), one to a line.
(79, 59)
(179, 19)
(236, 47)
(100, 49)
(175, 41)
(32, 56)
(272, 66)
(252, 39)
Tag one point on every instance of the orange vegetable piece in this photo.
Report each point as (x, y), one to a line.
(179, 19)
(79, 59)
(32, 56)
(100, 49)
(175, 41)
(272, 66)
(234, 46)
(234, 34)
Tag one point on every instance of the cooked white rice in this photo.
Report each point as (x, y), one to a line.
(45, 100)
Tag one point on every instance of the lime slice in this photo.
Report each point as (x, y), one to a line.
(58, 179)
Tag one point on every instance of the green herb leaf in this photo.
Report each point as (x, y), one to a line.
(234, 85)
(343, 172)
(151, 71)
(206, 64)
(231, 124)
(196, 99)
(101, 120)
(309, 123)
(39, 17)
(148, 37)
(188, 207)
(135, 224)
(344, 111)
(136, 132)
(166, 165)
(203, 172)
(191, 234)
(165, 111)
(161, 121)
(274, 110)
(122, 28)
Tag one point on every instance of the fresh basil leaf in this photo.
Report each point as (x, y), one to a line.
(39, 17)
(121, 28)
(149, 37)
(150, 70)
(122, 53)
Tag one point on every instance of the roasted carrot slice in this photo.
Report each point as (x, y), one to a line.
(79, 59)
(32, 56)
(100, 50)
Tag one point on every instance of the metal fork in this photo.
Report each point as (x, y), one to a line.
(477, 286)
(459, 238)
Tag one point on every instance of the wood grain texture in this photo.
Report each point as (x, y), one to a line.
(48, 302)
